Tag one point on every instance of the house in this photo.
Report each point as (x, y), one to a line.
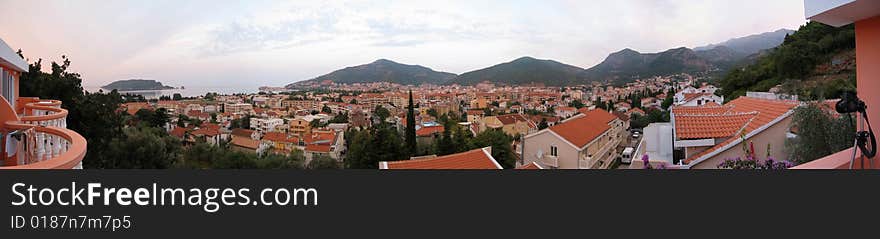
(478, 159)
(326, 143)
(245, 140)
(279, 143)
(208, 133)
(707, 135)
(566, 112)
(41, 122)
(698, 99)
(427, 133)
(586, 141)
(299, 126)
(266, 125)
(511, 124)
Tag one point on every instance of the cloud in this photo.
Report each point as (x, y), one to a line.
(277, 42)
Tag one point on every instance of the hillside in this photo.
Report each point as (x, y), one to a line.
(627, 65)
(815, 62)
(752, 44)
(383, 71)
(524, 71)
(136, 84)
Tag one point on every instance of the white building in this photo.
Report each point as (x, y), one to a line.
(266, 125)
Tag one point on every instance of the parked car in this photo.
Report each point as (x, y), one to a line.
(626, 156)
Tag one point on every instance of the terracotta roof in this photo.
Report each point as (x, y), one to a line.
(245, 142)
(513, 118)
(583, 129)
(320, 137)
(429, 130)
(206, 131)
(711, 126)
(178, 132)
(474, 159)
(766, 111)
(701, 110)
(324, 148)
(598, 115)
(278, 137)
(242, 132)
(530, 166)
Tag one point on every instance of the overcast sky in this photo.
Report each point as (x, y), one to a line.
(255, 43)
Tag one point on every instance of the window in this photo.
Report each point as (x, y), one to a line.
(554, 151)
(8, 83)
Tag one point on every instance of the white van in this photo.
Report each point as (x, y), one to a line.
(626, 156)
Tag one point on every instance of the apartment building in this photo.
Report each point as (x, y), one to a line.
(585, 141)
(236, 108)
(33, 131)
(266, 124)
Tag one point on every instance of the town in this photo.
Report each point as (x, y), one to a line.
(675, 122)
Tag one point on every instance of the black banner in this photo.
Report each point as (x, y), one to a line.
(443, 203)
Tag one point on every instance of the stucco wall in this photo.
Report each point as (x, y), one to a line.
(868, 65)
(567, 154)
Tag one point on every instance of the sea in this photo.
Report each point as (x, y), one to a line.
(185, 92)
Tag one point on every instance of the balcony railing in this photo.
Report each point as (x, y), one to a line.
(43, 112)
(41, 138)
(592, 162)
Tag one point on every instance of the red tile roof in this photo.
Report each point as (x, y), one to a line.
(766, 112)
(323, 148)
(474, 159)
(178, 132)
(279, 137)
(429, 130)
(242, 132)
(711, 126)
(598, 115)
(530, 166)
(245, 142)
(206, 131)
(583, 129)
(513, 118)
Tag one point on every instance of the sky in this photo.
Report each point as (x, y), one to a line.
(220, 43)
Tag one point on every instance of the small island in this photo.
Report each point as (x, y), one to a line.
(136, 85)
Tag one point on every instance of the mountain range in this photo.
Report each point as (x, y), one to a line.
(622, 66)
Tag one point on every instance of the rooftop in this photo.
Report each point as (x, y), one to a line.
(582, 129)
(474, 159)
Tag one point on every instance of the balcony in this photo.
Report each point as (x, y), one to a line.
(593, 162)
(40, 138)
(840, 160)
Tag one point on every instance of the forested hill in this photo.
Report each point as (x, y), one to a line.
(817, 61)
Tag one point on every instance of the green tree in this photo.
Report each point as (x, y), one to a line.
(501, 146)
(818, 134)
(576, 103)
(323, 162)
(140, 148)
(381, 113)
(543, 124)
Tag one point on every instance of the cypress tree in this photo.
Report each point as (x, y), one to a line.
(411, 126)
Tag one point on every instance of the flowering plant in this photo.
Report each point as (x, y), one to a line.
(754, 163)
(648, 163)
